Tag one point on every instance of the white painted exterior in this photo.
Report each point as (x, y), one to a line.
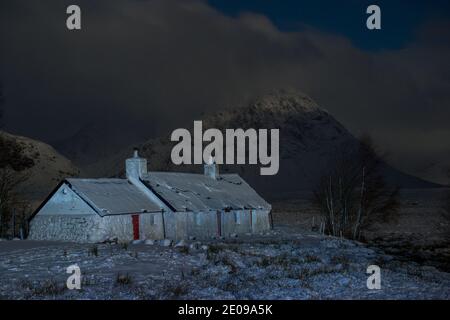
(66, 202)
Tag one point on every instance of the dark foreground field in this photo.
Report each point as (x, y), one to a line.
(282, 264)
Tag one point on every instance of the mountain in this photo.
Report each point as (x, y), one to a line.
(97, 140)
(309, 139)
(41, 166)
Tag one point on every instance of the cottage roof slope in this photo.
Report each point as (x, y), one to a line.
(112, 196)
(197, 192)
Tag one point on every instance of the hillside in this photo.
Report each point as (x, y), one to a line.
(42, 166)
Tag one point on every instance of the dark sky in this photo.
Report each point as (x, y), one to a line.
(401, 18)
(149, 65)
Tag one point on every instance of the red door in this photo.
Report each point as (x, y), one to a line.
(135, 219)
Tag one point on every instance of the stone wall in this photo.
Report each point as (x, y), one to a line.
(181, 225)
(76, 228)
(93, 228)
(236, 222)
(201, 224)
(178, 225)
(261, 221)
(151, 226)
(121, 226)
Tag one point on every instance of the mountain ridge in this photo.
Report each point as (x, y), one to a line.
(309, 139)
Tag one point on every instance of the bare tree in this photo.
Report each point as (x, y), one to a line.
(353, 194)
(13, 163)
(9, 180)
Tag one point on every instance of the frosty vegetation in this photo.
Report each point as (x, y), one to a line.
(278, 265)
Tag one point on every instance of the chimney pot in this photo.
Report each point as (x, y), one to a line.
(136, 166)
(211, 169)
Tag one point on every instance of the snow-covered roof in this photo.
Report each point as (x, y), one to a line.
(197, 192)
(112, 196)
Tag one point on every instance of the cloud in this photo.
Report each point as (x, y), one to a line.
(148, 66)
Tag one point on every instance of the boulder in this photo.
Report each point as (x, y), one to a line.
(166, 243)
(181, 243)
(195, 246)
(111, 240)
(149, 242)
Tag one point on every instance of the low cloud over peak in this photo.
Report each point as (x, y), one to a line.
(147, 66)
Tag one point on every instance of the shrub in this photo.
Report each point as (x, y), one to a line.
(123, 279)
(93, 251)
(48, 287)
(183, 249)
(177, 290)
(340, 259)
(309, 258)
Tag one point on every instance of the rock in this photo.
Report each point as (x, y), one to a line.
(204, 247)
(191, 238)
(233, 235)
(166, 243)
(114, 240)
(149, 242)
(430, 269)
(15, 239)
(344, 282)
(181, 243)
(232, 259)
(195, 246)
(136, 241)
(339, 267)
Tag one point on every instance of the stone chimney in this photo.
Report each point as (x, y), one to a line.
(211, 169)
(136, 167)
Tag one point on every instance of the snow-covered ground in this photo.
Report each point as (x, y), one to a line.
(282, 264)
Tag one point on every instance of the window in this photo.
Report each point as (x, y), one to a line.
(152, 219)
(237, 217)
(197, 217)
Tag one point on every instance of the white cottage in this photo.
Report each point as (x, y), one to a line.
(151, 205)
